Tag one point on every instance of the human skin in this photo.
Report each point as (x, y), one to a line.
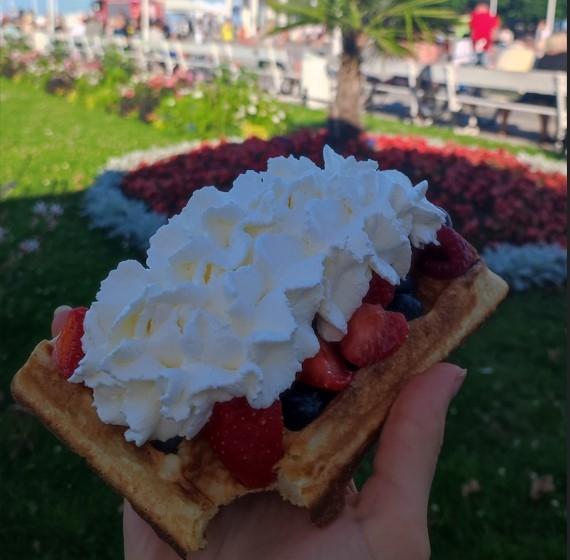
(386, 520)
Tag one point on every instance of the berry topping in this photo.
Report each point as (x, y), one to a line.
(302, 404)
(406, 286)
(373, 334)
(326, 370)
(452, 258)
(168, 446)
(380, 291)
(409, 306)
(248, 441)
(68, 351)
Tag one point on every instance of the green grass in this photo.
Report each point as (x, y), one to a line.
(503, 426)
(303, 116)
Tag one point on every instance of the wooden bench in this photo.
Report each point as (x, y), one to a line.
(518, 83)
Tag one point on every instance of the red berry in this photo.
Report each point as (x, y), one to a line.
(248, 441)
(326, 370)
(68, 351)
(452, 258)
(373, 334)
(380, 291)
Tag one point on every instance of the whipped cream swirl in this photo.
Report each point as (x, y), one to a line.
(225, 305)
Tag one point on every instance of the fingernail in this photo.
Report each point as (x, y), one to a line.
(461, 373)
(61, 308)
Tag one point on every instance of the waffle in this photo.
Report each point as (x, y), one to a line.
(178, 494)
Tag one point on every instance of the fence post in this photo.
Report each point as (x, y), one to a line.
(451, 87)
(413, 85)
(561, 110)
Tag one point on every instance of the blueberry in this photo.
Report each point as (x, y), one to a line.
(408, 305)
(302, 404)
(406, 286)
(168, 446)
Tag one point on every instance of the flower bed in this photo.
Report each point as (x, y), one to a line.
(492, 196)
(509, 208)
(201, 105)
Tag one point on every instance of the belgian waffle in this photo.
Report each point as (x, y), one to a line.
(178, 494)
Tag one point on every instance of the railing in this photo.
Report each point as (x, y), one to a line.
(451, 88)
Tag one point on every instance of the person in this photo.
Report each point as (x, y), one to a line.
(483, 25)
(518, 57)
(543, 32)
(227, 31)
(156, 32)
(462, 51)
(554, 60)
(386, 520)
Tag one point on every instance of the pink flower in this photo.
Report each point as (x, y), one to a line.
(541, 485)
(470, 487)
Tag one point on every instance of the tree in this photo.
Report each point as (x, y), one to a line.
(391, 25)
(512, 12)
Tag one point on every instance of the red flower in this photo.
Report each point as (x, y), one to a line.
(491, 196)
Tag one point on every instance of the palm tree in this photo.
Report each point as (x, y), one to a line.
(391, 25)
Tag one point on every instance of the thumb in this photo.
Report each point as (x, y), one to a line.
(59, 317)
(410, 443)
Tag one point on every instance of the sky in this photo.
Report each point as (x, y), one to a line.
(65, 6)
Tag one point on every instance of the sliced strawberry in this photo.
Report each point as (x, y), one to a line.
(373, 334)
(380, 291)
(68, 351)
(326, 370)
(452, 258)
(248, 441)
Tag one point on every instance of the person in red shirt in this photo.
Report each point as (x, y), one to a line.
(483, 25)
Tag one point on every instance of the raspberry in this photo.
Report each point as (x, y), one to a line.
(452, 258)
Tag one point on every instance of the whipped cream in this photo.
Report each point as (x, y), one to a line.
(225, 305)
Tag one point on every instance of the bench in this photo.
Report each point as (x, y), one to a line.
(536, 81)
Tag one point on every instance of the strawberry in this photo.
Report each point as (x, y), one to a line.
(373, 334)
(68, 351)
(452, 258)
(326, 370)
(248, 441)
(380, 291)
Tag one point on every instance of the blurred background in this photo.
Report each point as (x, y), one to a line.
(112, 113)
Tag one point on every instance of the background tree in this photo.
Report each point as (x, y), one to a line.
(391, 25)
(512, 12)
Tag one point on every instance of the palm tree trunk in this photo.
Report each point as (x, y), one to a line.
(346, 116)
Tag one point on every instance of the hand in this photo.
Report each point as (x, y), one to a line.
(387, 520)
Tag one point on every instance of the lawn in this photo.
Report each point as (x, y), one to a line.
(506, 427)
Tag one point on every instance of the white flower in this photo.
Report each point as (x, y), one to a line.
(275, 119)
(198, 94)
(55, 209)
(282, 115)
(29, 246)
(40, 208)
(252, 110)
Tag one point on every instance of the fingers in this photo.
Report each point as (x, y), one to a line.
(59, 317)
(140, 541)
(410, 443)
